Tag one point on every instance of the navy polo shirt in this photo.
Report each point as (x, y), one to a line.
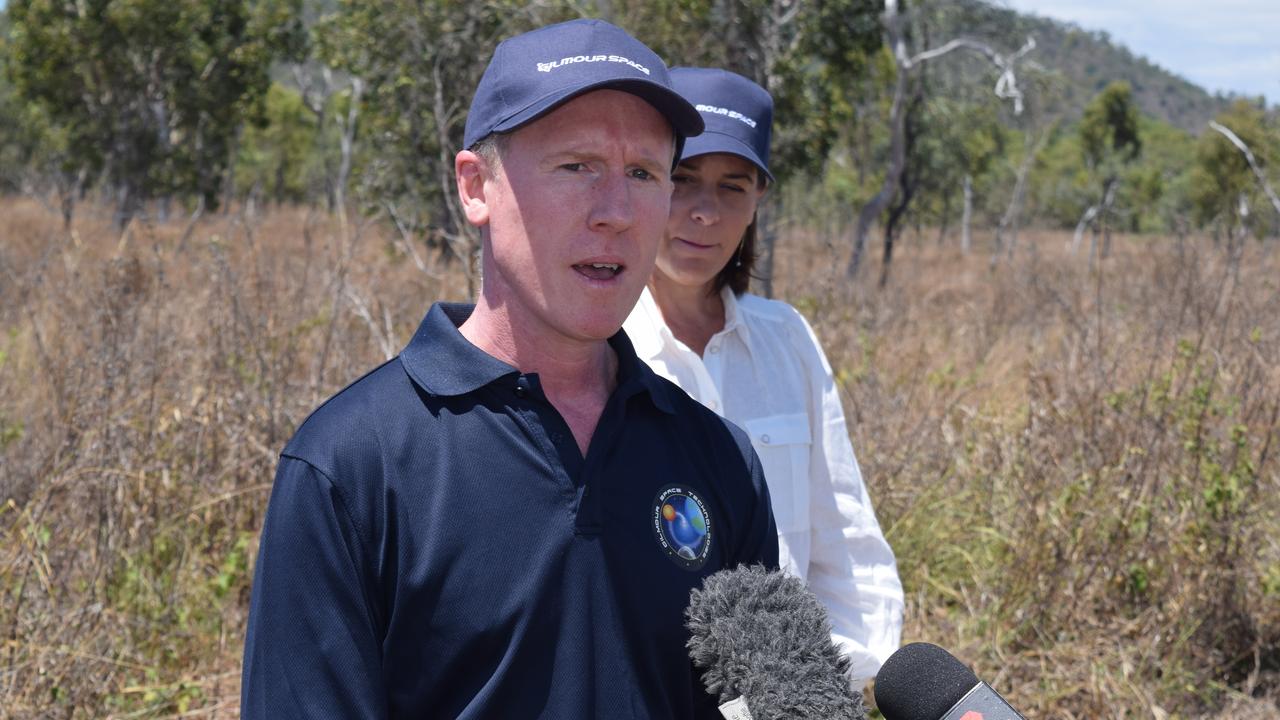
(437, 546)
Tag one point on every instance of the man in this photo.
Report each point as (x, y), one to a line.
(506, 520)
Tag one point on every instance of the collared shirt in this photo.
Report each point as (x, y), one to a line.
(437, 546)
(766, 372)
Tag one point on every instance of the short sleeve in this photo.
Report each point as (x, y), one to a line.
(312, 648)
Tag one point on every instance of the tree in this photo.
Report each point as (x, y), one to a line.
(906, 63)
(1225, 180)
(1110, 141)
(150, 93)
(277, 157)
(413, 67)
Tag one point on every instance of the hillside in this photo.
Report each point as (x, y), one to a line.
(1086, 61)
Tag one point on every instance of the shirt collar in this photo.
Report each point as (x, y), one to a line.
(733, 314)
(445, 363)
(651, 344)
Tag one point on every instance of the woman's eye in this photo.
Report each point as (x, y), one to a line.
(681, 179)
(733, 188)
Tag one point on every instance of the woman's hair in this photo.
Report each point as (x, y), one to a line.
(737, 273)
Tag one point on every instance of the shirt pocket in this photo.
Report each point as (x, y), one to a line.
(782, 442)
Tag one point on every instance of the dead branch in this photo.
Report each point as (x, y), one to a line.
(1253, 162)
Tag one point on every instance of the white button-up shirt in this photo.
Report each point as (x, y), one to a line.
(766, 372)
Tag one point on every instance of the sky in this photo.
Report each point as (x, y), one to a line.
(1220, 45)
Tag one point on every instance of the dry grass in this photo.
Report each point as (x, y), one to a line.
(1076, 469)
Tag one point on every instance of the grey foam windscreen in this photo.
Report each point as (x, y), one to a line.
(762, 635)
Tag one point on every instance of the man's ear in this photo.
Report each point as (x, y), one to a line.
(469, 172)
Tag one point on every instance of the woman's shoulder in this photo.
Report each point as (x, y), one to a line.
(760, 310)
(788, 326)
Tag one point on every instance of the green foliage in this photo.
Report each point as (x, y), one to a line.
(150, 93)
(813, 63)
(1109, 127)
(1221, 175)
(959, 139)
(420, 63)
(279, 157)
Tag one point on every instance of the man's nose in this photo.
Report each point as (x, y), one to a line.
(612, 207)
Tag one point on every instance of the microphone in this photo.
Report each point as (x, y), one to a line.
(764, 644)
(924, 682)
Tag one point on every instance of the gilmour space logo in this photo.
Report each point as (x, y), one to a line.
(682, 525)
(547, 67)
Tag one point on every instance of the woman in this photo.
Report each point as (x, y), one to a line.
(757, 362)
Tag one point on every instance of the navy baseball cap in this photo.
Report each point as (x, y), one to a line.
(738, 114)
(534, 73)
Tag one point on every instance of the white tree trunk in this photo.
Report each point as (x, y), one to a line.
(966, 236)
(1085, 221)
(1253, 163)
(1009, 221)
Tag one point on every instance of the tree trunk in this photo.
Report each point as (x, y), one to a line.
(966, 219)
(890, 230)
(1104, 215)
(944, 222)
(897, 159)
(767, 238)
(347, 128)
(906, 187)
(1009, 221)
(1085, 221)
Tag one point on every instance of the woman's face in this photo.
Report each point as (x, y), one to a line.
(712, 205)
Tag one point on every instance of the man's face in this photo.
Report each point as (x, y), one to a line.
(575, 212)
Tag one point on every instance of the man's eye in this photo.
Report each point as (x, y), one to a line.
(641, 174)
(573, 166)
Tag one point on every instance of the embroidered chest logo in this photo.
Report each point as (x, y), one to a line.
(682, 525)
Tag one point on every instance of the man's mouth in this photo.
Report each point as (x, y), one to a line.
(599, 271)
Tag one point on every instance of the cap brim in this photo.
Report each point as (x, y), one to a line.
(715, 142)
(684, 119)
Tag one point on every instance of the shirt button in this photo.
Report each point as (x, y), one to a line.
(714, 349)
(521, 390)
(764, 439)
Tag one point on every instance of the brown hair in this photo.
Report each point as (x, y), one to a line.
(736, 274)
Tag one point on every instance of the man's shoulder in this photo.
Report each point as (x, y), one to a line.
(349, 423)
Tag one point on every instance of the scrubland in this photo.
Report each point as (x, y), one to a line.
(1075, 465)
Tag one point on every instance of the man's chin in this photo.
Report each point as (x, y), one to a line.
(599, 327)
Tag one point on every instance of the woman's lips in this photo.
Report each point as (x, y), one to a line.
(692, 244)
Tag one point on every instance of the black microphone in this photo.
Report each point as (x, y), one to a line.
(762, 639)
(924, 682)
